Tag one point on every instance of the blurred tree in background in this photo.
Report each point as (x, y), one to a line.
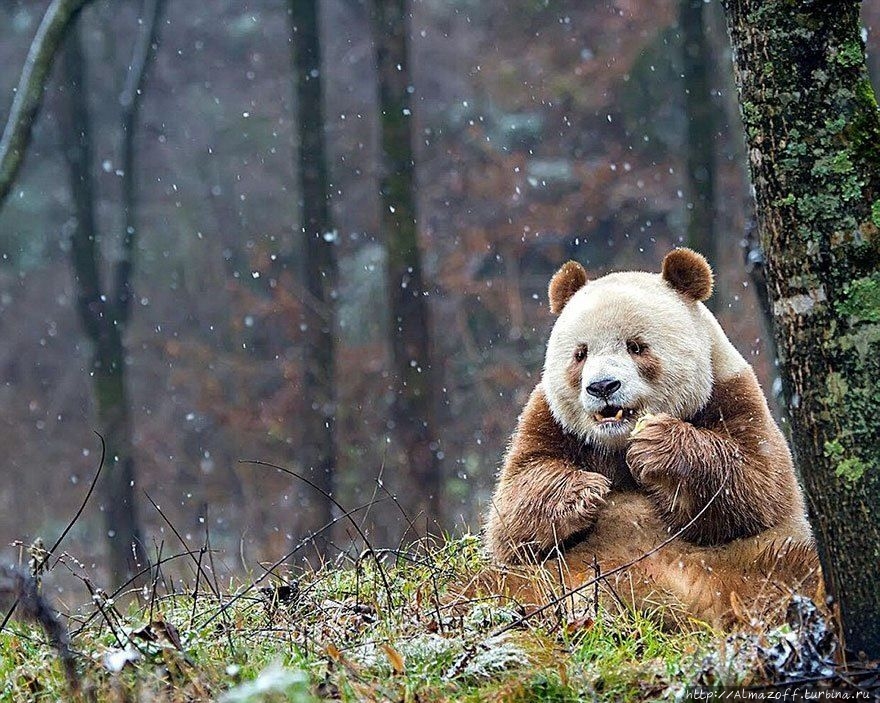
(104, 309)
(100, 321)
(701, 131)
(412, 376)
(318, 252)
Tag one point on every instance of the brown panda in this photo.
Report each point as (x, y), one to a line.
(647, 424)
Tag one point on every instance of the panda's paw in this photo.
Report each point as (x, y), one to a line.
(654, 449)
(582, 498)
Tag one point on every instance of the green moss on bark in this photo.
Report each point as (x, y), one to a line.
(861, 299)
(849, 468)
(875, 213)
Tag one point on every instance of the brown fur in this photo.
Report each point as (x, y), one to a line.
(649, 365)
(733, 441)
(680, 465)
(736, 583)
(689, 273)
(560, 497)
(747, 577)
(564, 284)
(573, 373)
(739, 560)
(551, 487)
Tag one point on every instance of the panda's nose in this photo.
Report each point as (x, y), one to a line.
(604, 388)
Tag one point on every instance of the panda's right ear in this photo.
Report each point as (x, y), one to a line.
(567, 281)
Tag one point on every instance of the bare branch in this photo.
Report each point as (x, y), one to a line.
(29, 94)
(267, 571)
(130, 99)
(191, 552)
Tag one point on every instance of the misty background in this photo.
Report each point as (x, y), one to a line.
(542, 131)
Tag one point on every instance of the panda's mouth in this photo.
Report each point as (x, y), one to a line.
(613, 414)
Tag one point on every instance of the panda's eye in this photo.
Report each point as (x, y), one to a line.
(636, 347)
(580, 352)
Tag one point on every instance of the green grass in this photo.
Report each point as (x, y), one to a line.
(345, 635)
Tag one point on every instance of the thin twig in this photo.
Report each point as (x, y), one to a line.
(156, 579)
(183, 542)
(82, 505)
(338, 505)
(280, 561)
(216, 588)
(67, 529)
(195, 596)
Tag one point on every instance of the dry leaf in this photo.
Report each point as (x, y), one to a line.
(578, 624)
(395, 657)
(337, 656)
(169, 631)
(563, 674)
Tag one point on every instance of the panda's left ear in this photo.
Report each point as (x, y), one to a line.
(689, 273)
(567, 281)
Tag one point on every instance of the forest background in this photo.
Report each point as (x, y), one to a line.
(607, 132)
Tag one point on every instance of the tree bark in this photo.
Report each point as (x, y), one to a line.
(813, 130)
(318, 245)
(99, 318)
(700, 161)
(414, 408)
(57, 21)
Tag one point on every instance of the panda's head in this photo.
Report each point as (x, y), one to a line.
(628, 344)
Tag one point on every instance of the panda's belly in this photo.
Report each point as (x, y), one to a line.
(708, 583)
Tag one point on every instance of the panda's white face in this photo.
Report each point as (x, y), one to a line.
(625, 345)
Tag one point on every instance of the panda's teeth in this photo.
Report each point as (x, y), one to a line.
(598, 417)
(619, 415)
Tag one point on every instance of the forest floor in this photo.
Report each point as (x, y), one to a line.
(378, 628)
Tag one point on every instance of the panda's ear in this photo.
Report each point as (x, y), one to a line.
(567, 281)
(689, 273)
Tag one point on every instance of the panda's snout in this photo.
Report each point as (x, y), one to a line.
(603, 389)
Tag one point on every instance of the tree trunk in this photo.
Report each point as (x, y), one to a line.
(130, 100)
(700, 161)
(319, 255)
(99, 319)
(414, 408)
(59, 17)
(813, 131)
